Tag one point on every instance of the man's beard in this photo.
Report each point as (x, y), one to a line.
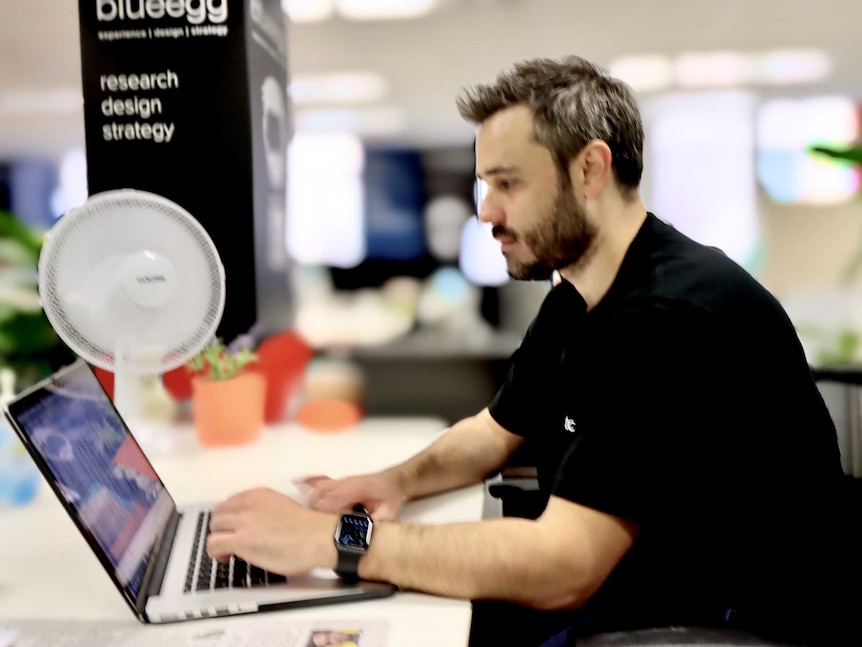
(559, 240)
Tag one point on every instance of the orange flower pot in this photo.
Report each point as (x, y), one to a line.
(229, 412)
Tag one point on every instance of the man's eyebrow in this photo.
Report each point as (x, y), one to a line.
(497, 170)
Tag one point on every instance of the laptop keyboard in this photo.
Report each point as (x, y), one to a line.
(206, 574)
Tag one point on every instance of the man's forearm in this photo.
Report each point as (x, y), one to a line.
(504, 559)
(467, 453)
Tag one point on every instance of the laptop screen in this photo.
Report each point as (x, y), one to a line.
(97, 468)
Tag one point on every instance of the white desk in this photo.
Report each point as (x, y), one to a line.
(50, 572)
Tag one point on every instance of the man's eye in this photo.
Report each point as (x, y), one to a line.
(505, 185)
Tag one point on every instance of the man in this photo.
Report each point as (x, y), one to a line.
(691, 469)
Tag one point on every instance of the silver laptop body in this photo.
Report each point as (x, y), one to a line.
(154, 552)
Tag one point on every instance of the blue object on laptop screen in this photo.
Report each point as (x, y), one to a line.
(100, 471)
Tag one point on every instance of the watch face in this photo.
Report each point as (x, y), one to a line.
(354, 531)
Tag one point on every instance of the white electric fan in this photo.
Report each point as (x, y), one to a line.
(133, 284)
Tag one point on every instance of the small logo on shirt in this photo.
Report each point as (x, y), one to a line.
(569, 425)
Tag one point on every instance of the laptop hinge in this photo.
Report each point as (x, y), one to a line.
(154, 576)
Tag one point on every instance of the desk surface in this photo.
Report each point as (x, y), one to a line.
(50, 572)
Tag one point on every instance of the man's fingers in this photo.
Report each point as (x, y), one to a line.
(340, 501)
(334, 502)
(222, 545)
(319, 503)
(223, 521)
(311, 481)
(385, 512)
(323, 490)
(233, 504)
(328, 495)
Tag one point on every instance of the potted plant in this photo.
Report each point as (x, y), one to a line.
(227, 397)
(842, 345)
(28, 344)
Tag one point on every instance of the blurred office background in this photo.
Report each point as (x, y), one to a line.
(392, 271)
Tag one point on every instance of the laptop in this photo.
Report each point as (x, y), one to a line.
(154, 552)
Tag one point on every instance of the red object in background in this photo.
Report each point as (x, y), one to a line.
(282, 358)
(178, 383)
(106, 379)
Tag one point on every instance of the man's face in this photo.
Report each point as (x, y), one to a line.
(534, 212)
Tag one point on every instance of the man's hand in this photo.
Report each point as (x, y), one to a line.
(380, 493)
(273, 532)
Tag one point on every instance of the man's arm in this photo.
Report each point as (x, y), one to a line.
(555, 562)
(466, 453)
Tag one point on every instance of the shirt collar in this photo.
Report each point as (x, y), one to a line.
(631, 270)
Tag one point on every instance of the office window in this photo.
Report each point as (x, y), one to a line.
(325, 197)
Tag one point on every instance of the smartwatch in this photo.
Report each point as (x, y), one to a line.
(352, 538)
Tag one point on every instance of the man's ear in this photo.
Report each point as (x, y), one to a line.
(591, 169)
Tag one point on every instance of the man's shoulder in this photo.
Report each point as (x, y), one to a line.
(651, 317)
(688, 277)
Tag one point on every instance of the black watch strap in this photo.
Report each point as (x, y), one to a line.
(347, 567)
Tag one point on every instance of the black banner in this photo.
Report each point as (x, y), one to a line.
(186, 99)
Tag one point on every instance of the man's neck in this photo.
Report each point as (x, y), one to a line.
(594, 276)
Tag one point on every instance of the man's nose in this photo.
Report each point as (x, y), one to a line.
(490, 212)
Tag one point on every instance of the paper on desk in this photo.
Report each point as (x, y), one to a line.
(53, 633)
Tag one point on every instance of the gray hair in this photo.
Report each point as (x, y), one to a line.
(573, 102)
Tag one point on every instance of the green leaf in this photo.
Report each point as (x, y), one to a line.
(849, 154)
(848, 342)
(28, 238)
(216, 362)
(26, 334)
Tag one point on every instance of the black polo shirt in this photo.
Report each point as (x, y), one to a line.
(683, 402)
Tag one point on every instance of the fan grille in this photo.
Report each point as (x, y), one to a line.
(79, 280)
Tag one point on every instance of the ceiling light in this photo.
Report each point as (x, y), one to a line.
(710, 69)
(384, 9)
(722, 69)
(339, 87)
(646, 73)
(308, 10)
(363, 121)
(786, 67)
